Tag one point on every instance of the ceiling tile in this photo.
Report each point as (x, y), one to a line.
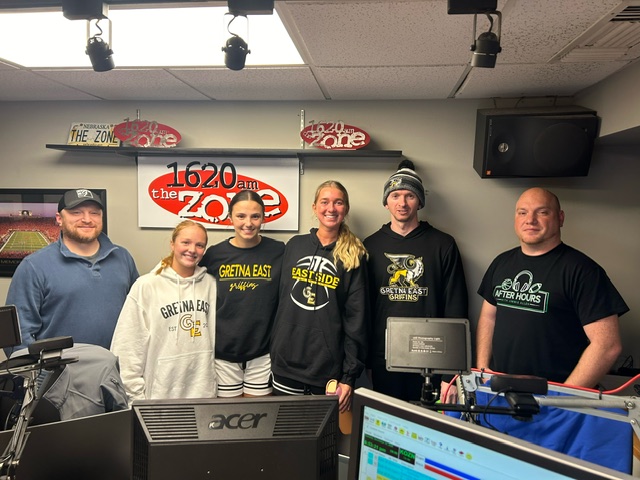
(535, 80)
(22, 85)
(362, 83)
(365, 50)
(122, 84)
(276, 83)
(381, 33)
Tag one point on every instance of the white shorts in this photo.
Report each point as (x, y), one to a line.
(252, 377)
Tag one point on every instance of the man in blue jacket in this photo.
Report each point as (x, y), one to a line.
(77, 285)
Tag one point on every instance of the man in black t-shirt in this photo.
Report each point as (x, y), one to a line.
(548, 310)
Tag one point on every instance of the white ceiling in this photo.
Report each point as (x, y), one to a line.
(380, 50)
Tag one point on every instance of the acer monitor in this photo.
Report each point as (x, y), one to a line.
(397, 440)
(264, 438)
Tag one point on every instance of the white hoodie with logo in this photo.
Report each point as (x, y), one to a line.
(165, 336)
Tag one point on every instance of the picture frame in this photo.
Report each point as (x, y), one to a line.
(28, 222)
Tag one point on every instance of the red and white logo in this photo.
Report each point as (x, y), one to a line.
(335, 136)
(204, 196)
(145, 133)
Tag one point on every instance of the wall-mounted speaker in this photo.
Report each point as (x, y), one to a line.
(534, 142)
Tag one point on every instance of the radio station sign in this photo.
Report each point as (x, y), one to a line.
(93, 134)
(172, 189)
(147, 133)
(335, 136)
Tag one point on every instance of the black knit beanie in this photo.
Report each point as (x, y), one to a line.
(404, 179)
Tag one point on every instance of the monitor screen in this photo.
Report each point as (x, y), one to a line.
(96, 448)
(9, 327)
(263, 437)
(396, 440)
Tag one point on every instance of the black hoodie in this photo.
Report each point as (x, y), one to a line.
(320, 329)
(418, 275)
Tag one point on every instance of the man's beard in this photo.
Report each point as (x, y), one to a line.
(72, 234)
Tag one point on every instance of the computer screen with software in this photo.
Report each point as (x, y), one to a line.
(396, 440)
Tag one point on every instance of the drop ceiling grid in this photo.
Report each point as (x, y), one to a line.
(534, 31)
(6, 66)
(362, 83)
(513, 81)
(359, 49)
(278, 83)
(21, 85)
(123, 84)
(382, 33)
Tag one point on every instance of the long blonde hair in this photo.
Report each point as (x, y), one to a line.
(349, 249)
(168, 260)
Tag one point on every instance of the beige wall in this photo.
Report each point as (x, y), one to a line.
(602, 209)
(616, 100)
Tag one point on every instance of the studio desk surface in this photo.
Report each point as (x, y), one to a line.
(94, 448)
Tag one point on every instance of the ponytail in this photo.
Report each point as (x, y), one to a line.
(349, 249)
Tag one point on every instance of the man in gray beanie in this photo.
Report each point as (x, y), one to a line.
(404, 179)
(415, 270)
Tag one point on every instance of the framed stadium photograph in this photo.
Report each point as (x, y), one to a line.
(28, 222)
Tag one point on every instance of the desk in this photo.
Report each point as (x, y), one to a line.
(95, 448)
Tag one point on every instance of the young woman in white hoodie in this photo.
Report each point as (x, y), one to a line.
(165, 336)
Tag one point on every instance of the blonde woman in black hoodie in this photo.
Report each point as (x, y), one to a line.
(320, 331)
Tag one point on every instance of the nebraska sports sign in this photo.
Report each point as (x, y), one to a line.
(172, 189)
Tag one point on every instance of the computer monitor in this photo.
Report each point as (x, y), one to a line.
(96, 448)
(9, 327)
(397, 440)
(264, 438)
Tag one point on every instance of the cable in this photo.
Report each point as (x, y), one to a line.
(623, 386)
(452, 382)
(486, 407)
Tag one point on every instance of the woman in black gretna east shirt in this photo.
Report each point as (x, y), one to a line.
(247, 270)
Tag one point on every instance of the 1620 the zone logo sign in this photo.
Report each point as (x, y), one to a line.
(202, 192)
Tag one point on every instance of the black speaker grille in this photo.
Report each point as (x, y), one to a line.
(517, 143)
(170, 423)
(295, 421)
(328, 447)
(560, 148)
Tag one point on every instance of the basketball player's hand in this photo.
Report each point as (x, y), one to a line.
(344, 401)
